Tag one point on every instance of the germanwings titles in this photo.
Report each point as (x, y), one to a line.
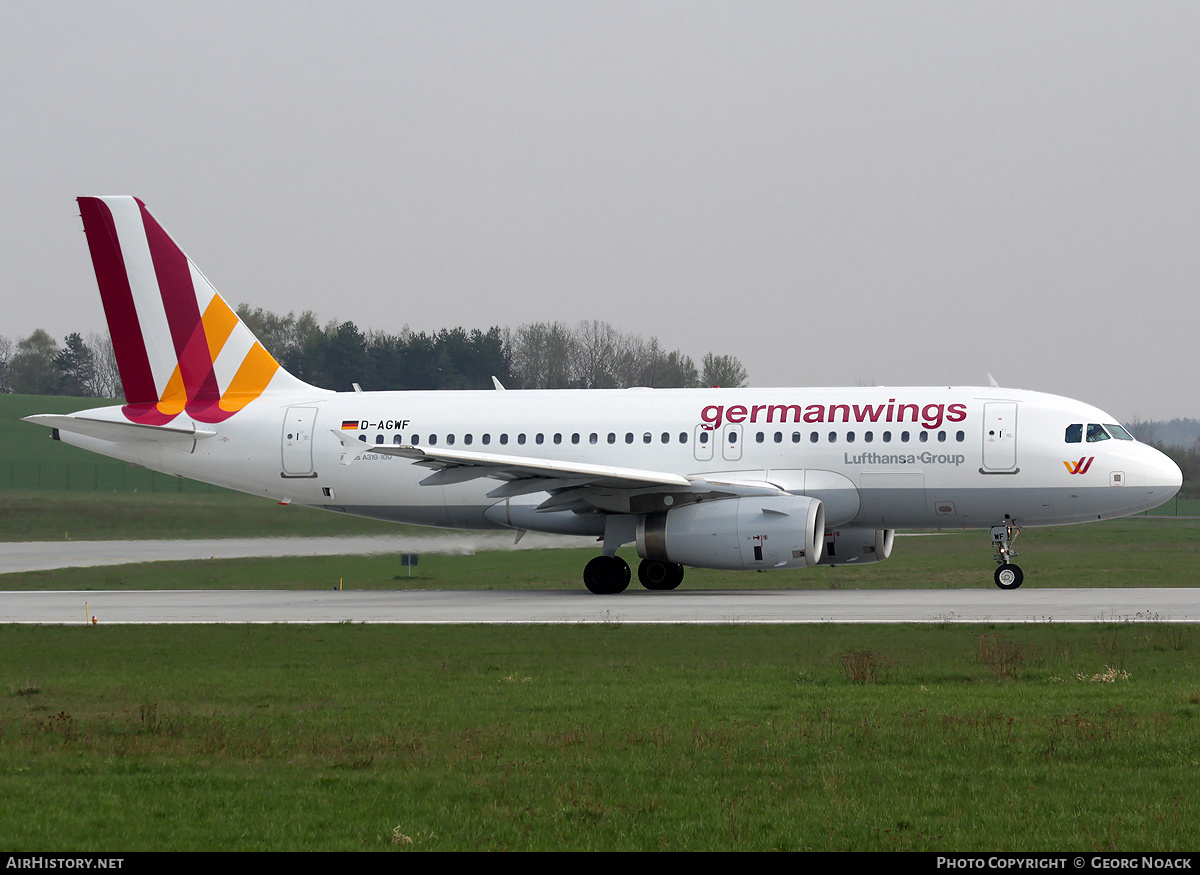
(755, 479)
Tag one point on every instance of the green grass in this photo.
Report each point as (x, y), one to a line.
(29, 515)
(599, 737)
(1127, 553)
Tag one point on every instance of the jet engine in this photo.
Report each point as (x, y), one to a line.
(783, 531)
(857, 546)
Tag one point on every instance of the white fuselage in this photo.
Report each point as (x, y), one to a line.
(881, 458)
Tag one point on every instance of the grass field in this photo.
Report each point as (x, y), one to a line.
(1046, 737)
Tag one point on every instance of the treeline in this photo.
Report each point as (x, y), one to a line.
(542, 355)
(37, 365)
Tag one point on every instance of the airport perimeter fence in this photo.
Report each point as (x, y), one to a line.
(1176, 507)
(96, 477)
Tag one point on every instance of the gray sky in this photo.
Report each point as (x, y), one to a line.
(836, 193)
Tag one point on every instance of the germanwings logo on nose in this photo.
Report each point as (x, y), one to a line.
(1081, 466)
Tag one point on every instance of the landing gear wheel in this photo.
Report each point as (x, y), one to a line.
(606, 575)
(660, 575)
(1009, 576)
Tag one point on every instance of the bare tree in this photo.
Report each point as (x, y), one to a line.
(6, 354)
(1146, 432)
(723, 370)
(106, 376)
(543, 355)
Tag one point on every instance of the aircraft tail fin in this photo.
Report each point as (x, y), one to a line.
(180, 348)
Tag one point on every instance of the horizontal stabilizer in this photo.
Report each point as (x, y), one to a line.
(111, 430)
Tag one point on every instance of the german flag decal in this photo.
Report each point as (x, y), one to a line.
(349, 425)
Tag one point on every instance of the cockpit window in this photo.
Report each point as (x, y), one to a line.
(1118, 432)
(1075, 433)
(1096, 432)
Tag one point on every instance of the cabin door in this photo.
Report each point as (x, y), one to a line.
(1000, 437)
(297, 441)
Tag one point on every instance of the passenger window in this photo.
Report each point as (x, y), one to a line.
(924, 437)
(869, 436)
(647, 437)
(1096, 432)
(487, 439)
(813, 438)
(521, 438)
(467, 439)
(628, 437)
(575, 438)
(432, 439)
(778, 437)
(539, 438)
(758, 438)
(683, 437)
(450, 439)
(903, 437)
(833, 437)
(594, 438)
(849, 437)
(378, 438)
(1074, 433)
(612, 438)
(960, 436)
(887, 437)
(504, 439)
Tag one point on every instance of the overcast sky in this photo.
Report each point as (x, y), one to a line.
(834, 192)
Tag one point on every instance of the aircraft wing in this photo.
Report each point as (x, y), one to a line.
(572, 485)
(113, 430)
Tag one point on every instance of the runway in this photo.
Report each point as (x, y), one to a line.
(20, 556)
(985, 605)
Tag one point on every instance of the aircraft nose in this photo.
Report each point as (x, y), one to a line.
(1163, 476)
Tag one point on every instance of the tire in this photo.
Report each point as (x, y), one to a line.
(1009, 576)
(606, 575)
(656, 575)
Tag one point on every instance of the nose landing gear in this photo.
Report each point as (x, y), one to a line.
(1008, 576)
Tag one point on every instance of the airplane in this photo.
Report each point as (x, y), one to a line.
(747, 478)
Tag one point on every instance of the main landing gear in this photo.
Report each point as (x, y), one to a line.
(1008, 576)
(606, 575)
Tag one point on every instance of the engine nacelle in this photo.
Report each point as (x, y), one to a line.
(857, 546)
(785, 531)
